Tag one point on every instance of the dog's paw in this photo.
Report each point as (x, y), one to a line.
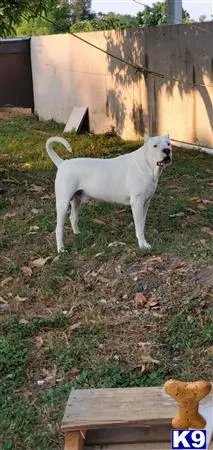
(76, 232)
(145, 246)
(62, 251)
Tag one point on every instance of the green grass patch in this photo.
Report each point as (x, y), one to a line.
(75, 317)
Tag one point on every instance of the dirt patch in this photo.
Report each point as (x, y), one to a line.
(9, 112)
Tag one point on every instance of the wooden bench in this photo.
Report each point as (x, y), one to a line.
(120, 419)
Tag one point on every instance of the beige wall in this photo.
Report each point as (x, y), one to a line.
(68, 73)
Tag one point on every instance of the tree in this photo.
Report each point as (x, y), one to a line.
(202, 18)
(57, 17)
(110, 21)
(56, 20)
(12, 12)
(30, 27)
(80, 10)
(156, 14)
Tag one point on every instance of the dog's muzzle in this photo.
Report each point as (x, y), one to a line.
(167, 159)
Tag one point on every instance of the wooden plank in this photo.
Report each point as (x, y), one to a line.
(74, 440)
(148, 446)
(132, 435)
(76, 119)
(159, 446)
(102, 408)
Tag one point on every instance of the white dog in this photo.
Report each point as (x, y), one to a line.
(129, 179)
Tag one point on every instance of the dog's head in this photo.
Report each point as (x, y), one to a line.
(158, 150)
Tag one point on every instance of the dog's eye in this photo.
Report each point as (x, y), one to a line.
(155, 145)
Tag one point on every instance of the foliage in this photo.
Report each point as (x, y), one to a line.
(59, 17)
(12, 11)
(30, 27)
(38, 17)
(61, 14)
(156, 14)
(80, 10)
(202, 18)
(110, 21)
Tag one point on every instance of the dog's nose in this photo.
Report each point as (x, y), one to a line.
(166, 151)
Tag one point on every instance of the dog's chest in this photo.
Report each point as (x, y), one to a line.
(150, 189)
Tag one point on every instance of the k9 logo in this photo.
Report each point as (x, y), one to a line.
(189, 439)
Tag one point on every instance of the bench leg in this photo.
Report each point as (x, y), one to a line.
(74, 440)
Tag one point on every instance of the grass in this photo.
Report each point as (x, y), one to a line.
(74, 322)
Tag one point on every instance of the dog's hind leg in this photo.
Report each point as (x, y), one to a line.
(75, 206)
(61, 208)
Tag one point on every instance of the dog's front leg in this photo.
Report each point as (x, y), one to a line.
(145, 210)
(139, 212)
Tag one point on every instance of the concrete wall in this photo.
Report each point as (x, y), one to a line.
(68, 72)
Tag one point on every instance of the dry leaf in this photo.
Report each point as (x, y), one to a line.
(50, 375)
(40, 262)
(99, 221)
(46, 197)
(195, 199)
(210, 184)
(210, 349)
(203, 241)
(35, 188)
(24, 321)
(34, 211)
(151, 301)
(146, 361)
(103, 301)
(74, 372)
(180, 214)
(67, 286)
(190, 210)
(38, 342)
(116, 243)
(6, 281)
(102, 279)
(9, 215)
(202, 207)
(99, 254)
(34, 228)
(207, 202)
(140, 299)
(75, 326)
(26, 271)
(2, 300)
(180, 270)
(10, 180)
(152, 260)
(120, 211)
(20, 299)
(149, 359)
(207, 230)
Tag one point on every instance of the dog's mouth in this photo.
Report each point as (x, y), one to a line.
(165, 161)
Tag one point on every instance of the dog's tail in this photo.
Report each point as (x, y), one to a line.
(52, 154)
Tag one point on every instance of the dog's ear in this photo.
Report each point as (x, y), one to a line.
(146, 138)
